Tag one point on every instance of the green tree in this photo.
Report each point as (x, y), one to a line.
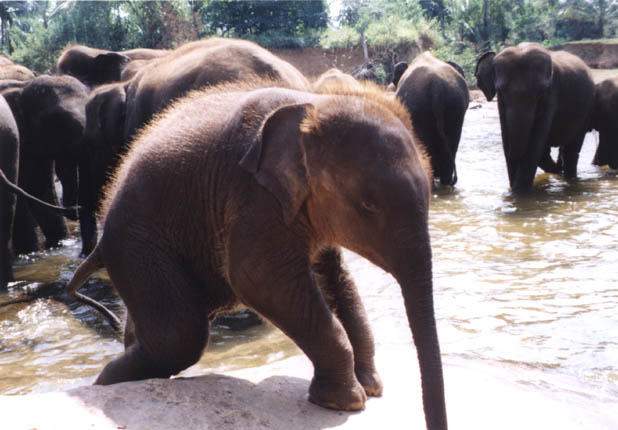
(435, 9)
(587, 18)
(152, 24)
(279, 23)
(12, 16)
(243, 18)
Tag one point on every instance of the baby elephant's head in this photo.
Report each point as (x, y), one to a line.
(352, 161)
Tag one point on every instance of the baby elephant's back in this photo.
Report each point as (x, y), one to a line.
(192, 149)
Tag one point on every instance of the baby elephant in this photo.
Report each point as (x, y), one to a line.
(241, 195)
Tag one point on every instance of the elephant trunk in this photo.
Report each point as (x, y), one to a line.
(519, 124)
(415, 279)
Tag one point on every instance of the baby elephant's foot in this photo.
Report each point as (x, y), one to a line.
(371, 382)
(336, 395)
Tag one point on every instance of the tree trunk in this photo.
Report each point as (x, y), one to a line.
(365, 50)
(485, 34)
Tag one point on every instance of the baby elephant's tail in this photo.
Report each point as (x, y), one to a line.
(91, 264)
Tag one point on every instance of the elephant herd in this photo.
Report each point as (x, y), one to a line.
(222, 176)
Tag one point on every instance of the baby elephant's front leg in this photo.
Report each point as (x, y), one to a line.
(288, 295)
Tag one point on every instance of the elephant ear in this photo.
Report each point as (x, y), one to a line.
(485, 76)
(457, 67)
(398, 71)
(111, 115)
(277, 158)
(13, 97)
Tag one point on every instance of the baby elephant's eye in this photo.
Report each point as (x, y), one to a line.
(370, 207)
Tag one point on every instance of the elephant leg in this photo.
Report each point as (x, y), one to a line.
(601, 155)
(7, 211)
(570, 155)
(168, 323)
(88, 208)
(342, 296)
(548, 164)
(613, 156)
(66, 171)
(524, 177)
(37, 178)
(25, 239)
(273, 277)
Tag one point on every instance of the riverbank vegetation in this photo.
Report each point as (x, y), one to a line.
(34, 32)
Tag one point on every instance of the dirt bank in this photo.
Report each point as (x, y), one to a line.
(598, 55)
(312, 62)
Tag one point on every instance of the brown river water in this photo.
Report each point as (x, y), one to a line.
(528, 285)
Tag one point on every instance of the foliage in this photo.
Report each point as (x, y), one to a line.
(277, 24)
(34, 32)
(384, 23)
(462, 54)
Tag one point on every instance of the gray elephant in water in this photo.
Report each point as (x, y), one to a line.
(605, 120)
(437, 97)
(9, 166)
(545, 99)
(243, 195)
(50, 115)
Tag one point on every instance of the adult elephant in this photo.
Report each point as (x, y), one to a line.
(9, 159)
(274, 181)
(94, 66)
(437, 97)
(199, 64)
(604, 119)
(103, 143)
(116, 111)
(50, 115)
(544, 99)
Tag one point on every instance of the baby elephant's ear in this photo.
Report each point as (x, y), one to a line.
(277, 158)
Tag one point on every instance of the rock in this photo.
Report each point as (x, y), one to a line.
(274, 397)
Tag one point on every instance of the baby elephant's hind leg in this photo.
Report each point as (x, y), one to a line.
(342, 297)
(169, 321)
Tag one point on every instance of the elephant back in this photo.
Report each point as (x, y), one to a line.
(202, 64)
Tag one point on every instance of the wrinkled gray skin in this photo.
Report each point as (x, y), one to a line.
(50, 115)
(545, 99)
(437, 97)
(95, 67)
(274, 181)
(605, 120)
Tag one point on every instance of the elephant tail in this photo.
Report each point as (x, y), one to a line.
(448, 171)
(70, 213)
(91, 264)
